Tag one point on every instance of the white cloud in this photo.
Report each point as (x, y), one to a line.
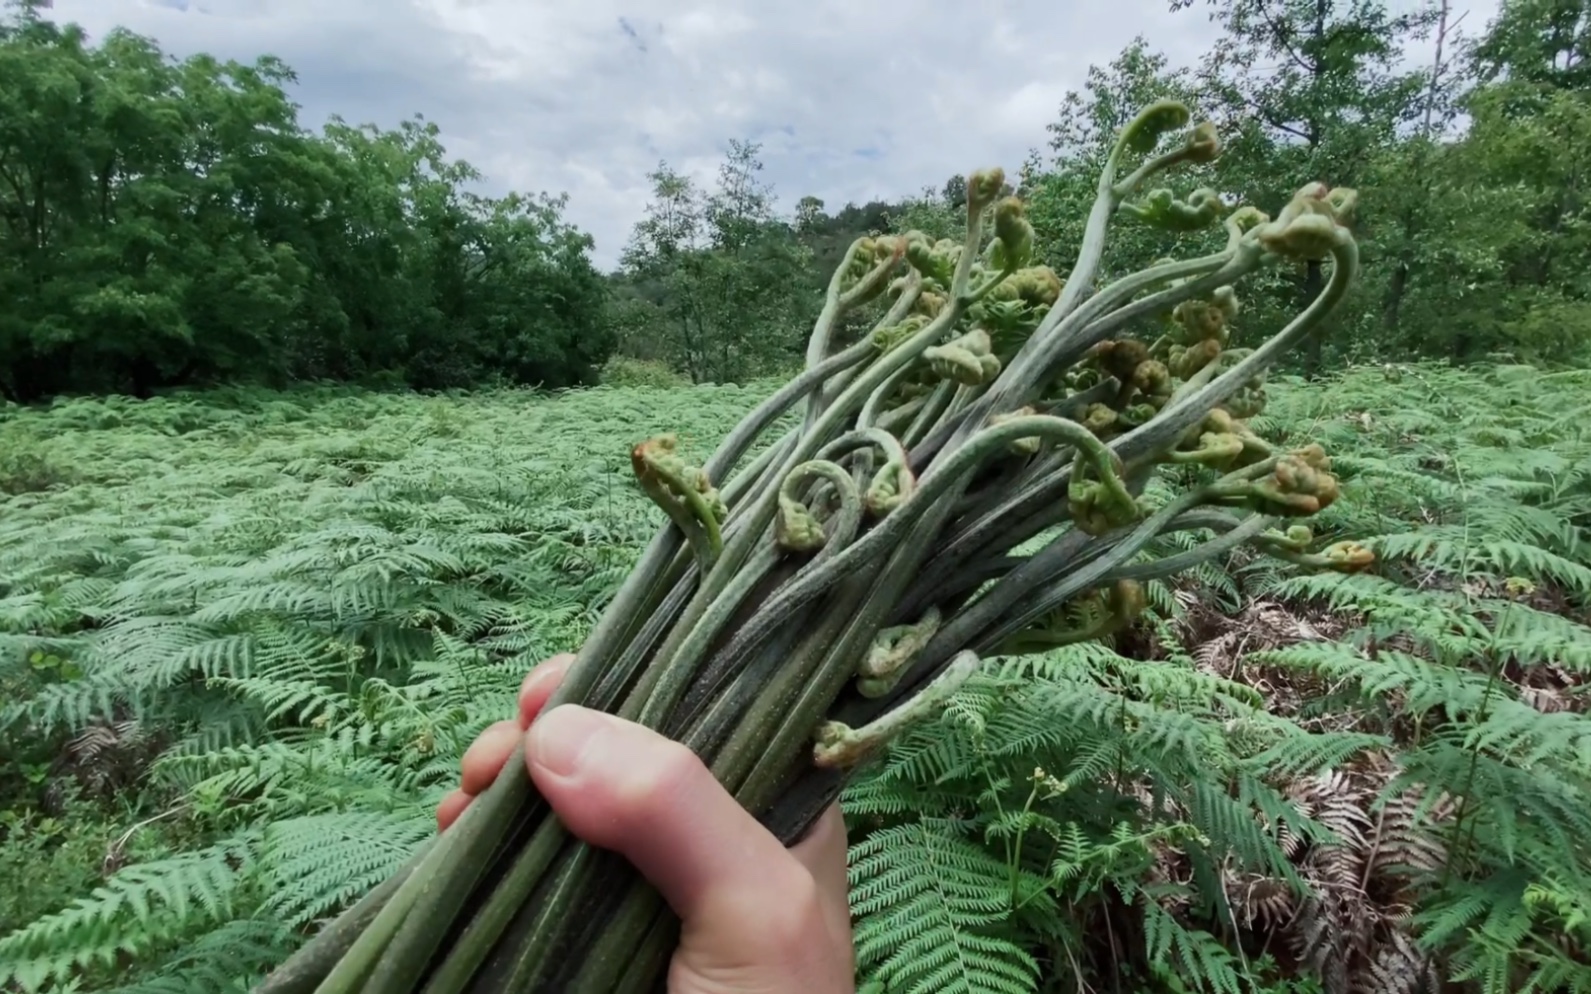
(851, 101)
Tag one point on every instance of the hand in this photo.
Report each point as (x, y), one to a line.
(755, 916)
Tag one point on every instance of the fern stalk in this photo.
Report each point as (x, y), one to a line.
(789, 625)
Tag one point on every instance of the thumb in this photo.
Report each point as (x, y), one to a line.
(623, 787)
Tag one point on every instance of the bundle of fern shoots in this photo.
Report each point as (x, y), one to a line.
(965, 481)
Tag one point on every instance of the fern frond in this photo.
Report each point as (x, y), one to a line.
(930, 904)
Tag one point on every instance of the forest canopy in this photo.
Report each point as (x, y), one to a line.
(171, 222)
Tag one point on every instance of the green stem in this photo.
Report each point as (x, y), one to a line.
(1021, 834)
(766, 413)
(675, 663)
(1183, 413)
(757, 517)
(366, 952)
(937, 483)
(302, 972)
(675, 669)
(506, 898)
(1236, 535)
(528, 959)
(1049, 593)
(836, 303)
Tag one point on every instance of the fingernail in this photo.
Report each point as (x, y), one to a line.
(560, 739)
(556, 664)
(547, 671)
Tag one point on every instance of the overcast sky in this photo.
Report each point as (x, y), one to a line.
(850, 99)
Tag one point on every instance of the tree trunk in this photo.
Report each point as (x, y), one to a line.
(1392, 303)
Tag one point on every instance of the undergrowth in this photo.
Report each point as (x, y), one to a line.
(258, 630)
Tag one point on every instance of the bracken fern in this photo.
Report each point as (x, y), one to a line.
(1376, 781)
(316, 600)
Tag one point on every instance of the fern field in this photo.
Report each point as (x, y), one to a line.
(254, 633)
(296, 612)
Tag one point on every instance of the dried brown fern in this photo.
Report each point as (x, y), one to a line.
(103, 758)
(1399, 967)
(1408, 844)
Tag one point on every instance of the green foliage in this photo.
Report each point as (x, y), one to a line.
(1470, 649)
(62, 854)
(717, 286)
(1059, 766)
(317, 598)
(929, 894)
(170, 222)
(1469, 156)
(1379, 777)
(245, 636)
(324, 595)
(623, 371)
(713, 283)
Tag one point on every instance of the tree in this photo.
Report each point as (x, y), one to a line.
(1486, 223)
(1541, 42)
(1309, 89)
(955, 192)
(809, 214)
(1411, 173)
(1522, 169)
(1090, 119)
(167, 223)
(1061, 191)
(742, 207)
(728, 285)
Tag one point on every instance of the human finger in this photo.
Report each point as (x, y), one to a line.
(482, 761)
(539, 685)
(752, 917)
(485, 757)
(487, 754)
(451, 807)
(624, 787)
(823, 852)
